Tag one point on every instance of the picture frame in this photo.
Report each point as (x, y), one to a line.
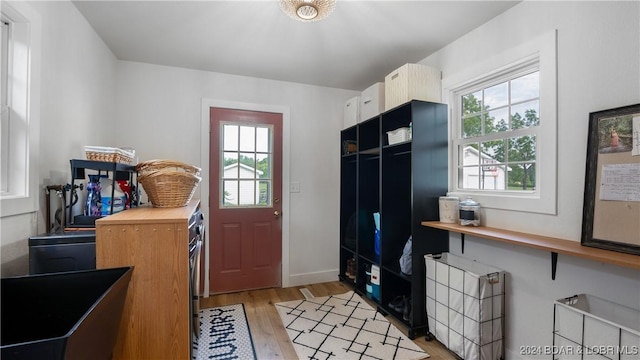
(611, 207)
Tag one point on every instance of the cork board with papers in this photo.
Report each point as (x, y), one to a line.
(611, 209)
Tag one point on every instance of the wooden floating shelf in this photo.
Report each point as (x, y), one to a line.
(554, 245)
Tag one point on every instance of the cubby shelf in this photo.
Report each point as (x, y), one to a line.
(118, 172)
(389, 179)
(554, 245)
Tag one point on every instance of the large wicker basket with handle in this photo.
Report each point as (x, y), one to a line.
(168, 183)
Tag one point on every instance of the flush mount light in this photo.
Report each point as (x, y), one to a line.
(308, 10)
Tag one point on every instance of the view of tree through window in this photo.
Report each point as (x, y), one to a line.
(246, 165)
(497, 150)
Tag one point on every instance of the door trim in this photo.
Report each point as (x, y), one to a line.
(204, 164)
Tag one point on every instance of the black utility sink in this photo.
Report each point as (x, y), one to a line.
(67, 315)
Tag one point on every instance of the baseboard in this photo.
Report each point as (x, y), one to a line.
(313, 278)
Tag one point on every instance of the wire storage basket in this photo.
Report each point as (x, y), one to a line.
(168, 183)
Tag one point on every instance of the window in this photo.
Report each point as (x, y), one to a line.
(503, 126)
(20, 81)
(498, 131)
(246, 165)
(5, 29)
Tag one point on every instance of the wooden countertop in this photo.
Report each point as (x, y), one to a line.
(150, 214)
(553, 245)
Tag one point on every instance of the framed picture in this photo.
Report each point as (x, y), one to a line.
(611, 210)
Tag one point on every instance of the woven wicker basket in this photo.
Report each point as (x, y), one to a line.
(107, 154)
(150, 166)
(167, 188)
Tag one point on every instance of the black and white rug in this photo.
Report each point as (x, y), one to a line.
(343, 327)
(224, 335)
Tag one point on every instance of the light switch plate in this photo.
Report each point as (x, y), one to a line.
(294, 187)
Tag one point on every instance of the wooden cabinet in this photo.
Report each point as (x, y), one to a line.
(402, 181)
(156, 319)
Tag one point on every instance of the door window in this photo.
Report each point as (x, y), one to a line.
(246, 165)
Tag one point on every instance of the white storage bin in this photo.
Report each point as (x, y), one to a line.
(465, 306)
(375, 281)
(372, 101)
(351, 112)
(412, 82)
(596, 328)
(398, 135)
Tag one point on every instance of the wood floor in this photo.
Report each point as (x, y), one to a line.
(269, 336)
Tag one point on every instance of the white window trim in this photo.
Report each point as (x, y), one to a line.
(542, 49)
(25, 104)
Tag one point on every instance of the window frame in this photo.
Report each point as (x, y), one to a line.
(23, 111)
(256, 172)
(541, 54)
(523, 69)
(7, 28)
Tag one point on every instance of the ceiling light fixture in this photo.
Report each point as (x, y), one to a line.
(308, 10)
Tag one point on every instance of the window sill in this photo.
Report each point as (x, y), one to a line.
(554, 245)
(511, 201)
(18, 205)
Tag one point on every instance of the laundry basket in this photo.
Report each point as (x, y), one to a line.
(169, 188)
(465, 306)
(168, 183)
(596, 328)
(147, 167)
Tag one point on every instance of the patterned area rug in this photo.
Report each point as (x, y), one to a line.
(224, 334)
(343, 327)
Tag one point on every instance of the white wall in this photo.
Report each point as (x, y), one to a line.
(160, 108)
(77, 106)
(156, 110)
(598, 68)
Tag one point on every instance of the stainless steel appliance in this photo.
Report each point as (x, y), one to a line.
(196, 238)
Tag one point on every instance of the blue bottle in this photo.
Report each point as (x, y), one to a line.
(93, 203)
(376, 236)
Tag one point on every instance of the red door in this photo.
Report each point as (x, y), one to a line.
(245, 200)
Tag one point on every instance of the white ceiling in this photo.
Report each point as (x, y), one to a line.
(356, 46)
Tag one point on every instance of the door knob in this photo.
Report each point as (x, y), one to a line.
(276, 214)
